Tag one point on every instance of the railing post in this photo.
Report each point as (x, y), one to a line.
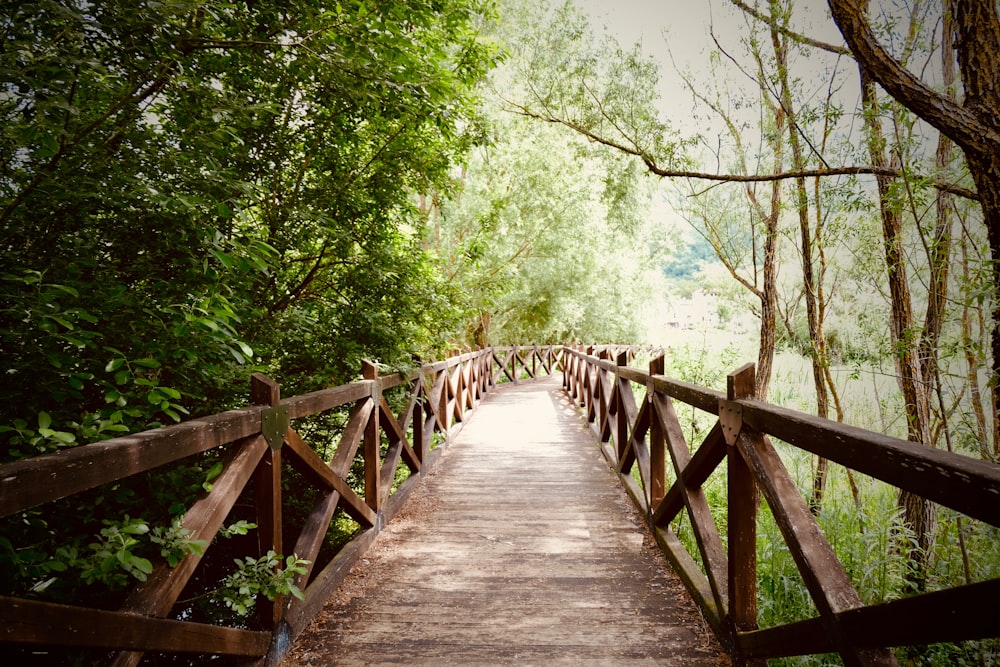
(417, 419)
(622, 420)
(657, 444)
(373, 440)
(744, 500)
(267, 488)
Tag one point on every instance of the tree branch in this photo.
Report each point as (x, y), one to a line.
(651, 165)
(791, 34)
(962, 125)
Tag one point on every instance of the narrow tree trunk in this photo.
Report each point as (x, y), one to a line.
(817, 342)
(917, 512)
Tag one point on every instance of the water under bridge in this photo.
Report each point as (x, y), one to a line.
(514, 506)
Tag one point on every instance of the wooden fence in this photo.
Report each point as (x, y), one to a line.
(645, 434)
(256, 443)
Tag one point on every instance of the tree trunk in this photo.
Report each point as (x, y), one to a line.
(973, 124)
(817, 342)
(917, 512)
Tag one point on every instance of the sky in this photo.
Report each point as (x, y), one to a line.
(678, 31)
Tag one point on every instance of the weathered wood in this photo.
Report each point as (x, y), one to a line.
(41, 479)
(327, 581)
(962, 483)
(910, 621)
(326, 399)
(397, 436)
(706, 533)
(307, 462)
(575, 583)
(350, 439)
(743, 501)
(267, 479)
(657, 444)
(311, 537)
(267, 506)
(694, 579)
(157, 594)
(824, 576)
(706, 459)
(163, 586)
(34, 622)
(372, 443)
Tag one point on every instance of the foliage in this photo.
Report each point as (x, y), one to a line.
(528, 192)
(261, 576)
(191, 191)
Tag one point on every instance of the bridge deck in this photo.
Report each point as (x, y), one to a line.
(520, 547)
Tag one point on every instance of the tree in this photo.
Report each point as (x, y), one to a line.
(186, 185)
(545, 238)
(973, 124)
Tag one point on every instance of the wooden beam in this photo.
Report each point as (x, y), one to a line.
(742, 521)
(706, 533)
(306, 461)
(42, 479)
(35, 622)
(960, 482)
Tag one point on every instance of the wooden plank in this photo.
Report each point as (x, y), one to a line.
(477, 575)
(640, 427)
(308, 462)
(946, 616)
(157, 594)
(46, 623)
(350, 439)
(743, 500)
(694, 579)
(962, 483)
(824, 576)
(41, 479)
(706, 459)
(327, 581)
(373, 444)
(326, 399)
(705, 400)
(421, 444)
(267, 492)
(706, 533)
(311, 537)
(398, 435)
(267, 505)
(657, 443)
(627, 412)
(411, 402)
(952, 615)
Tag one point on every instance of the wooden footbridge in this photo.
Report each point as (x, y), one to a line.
(489, 536)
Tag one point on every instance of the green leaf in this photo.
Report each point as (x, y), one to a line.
(44, 420)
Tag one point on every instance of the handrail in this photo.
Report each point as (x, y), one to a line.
(256, 442)
(645, 435)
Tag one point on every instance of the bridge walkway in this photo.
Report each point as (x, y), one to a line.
(520, 547)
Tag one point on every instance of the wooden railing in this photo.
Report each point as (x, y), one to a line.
(256, 444)
(645, 434)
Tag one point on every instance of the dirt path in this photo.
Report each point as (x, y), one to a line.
(519, 548)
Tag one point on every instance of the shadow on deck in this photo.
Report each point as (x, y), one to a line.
(519, 547)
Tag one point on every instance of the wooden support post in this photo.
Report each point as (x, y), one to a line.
(657, 450)
(744, 500)
(373, 441)
(417, 423)
(622, 421)
(267, 492)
